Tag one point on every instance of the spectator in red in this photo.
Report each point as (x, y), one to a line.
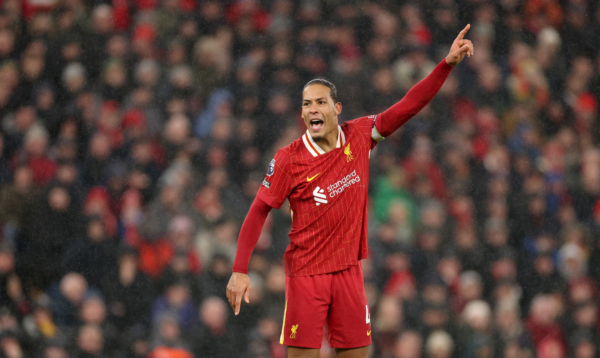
(36, 156)
(248, 10)
(542, 321)
(166, 352)
(97, 203)
(420, 166)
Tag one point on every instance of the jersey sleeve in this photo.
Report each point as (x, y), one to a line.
(250, 233)
(276, 186)
(366, 126)
(414, 101)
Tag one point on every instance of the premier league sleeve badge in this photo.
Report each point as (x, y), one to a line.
(271, 168)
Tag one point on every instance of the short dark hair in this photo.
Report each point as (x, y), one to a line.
(324, 82)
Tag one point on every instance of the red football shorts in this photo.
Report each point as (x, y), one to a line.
(336, 301)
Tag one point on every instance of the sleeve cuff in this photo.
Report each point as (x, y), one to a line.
(267, 199)
(240, 270)
(375, 133)
(447, 68)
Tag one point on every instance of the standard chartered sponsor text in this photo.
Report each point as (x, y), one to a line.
(338, 187)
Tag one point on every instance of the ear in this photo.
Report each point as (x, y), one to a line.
(338, 108)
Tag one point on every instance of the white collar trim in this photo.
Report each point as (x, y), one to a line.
(314, 149)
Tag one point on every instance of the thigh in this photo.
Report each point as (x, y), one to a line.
(306, 306)
(349, 321)
(296, 352)
(361, 352)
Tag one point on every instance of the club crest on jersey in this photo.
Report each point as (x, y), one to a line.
(320, 196)
(348, 153)
(271, 168)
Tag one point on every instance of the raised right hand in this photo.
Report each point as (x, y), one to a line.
(238, 287)
(460, 48)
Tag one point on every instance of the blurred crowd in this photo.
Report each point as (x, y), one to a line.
(134, 135)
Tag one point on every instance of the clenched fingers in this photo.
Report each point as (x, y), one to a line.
(467, 47)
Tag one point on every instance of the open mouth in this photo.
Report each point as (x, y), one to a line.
(316, 124)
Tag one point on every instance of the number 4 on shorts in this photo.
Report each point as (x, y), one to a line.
(368, 315)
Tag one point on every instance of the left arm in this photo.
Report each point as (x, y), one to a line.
(423, 92)
(414, 101)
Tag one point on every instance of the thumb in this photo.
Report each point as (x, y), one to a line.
(247, 295)
(464, 48)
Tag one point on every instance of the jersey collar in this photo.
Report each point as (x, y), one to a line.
(314, 149)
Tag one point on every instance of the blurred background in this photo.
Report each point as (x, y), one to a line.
(134, 135)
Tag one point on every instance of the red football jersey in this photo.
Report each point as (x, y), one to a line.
(328, 198)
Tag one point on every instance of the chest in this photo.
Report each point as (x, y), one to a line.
(341, 173)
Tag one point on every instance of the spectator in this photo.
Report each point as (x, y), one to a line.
(91, 255)
(169, 334)
(176, 300)
(128, 291)
(55, 350)
(67, 298)
(5, 170)
(213, 337)
(476, 330)
(55, 225)
(541, 322)
(96, 162)
(162, 209)
(36, 144)
(93, 312)
(43, 334)
(408, 345)
(90, 342)
(17, 204)
(439, 344)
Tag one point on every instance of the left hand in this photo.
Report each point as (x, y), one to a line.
(460, 48)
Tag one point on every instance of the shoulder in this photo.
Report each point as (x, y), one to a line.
(284, 156)
(360, 123)
(285, 153)
(293, 147)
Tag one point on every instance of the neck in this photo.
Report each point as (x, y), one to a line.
(329, 141)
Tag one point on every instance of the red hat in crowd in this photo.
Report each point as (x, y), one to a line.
(110, 106)
(144, 32)
(597, 210)
(587, 103)
(133, 118)
(398, 281)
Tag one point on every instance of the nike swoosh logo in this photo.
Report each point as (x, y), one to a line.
(368, 333)
(310, 179)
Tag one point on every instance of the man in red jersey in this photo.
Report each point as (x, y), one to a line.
(324, 174)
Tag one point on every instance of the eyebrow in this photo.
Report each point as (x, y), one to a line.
(318, 99)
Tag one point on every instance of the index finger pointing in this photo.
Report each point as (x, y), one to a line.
(463, 32)
(238, 304)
